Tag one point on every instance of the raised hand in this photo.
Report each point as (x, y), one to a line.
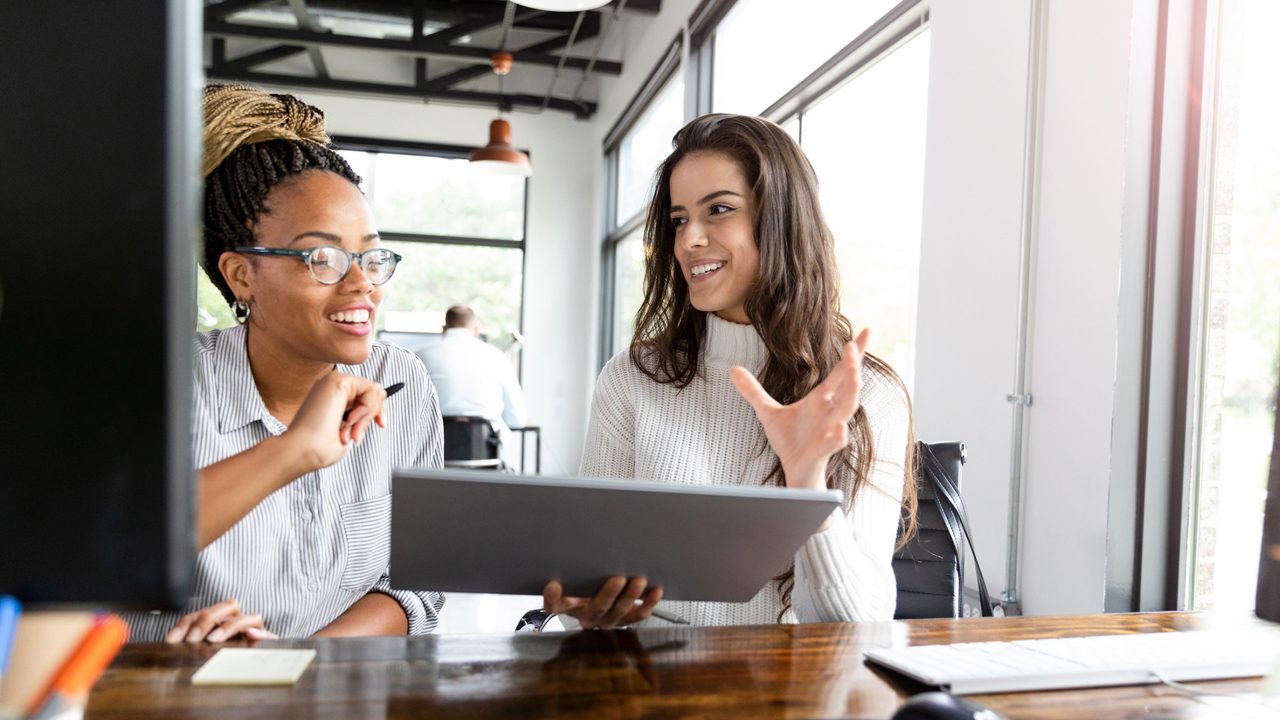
(807, 432)
(313, 427)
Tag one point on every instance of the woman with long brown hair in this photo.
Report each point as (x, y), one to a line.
(743, 371)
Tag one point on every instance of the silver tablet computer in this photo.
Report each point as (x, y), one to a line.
(476, 531)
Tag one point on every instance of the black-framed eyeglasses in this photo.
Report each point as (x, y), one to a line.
(329, 264)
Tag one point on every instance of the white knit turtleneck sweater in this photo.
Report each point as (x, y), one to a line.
(707, 433)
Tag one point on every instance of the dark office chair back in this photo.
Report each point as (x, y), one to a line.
(470, 441)
(930, 567)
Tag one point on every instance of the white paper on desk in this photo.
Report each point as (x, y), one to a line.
(254, 666)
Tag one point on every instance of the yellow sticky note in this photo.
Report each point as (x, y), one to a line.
(254, 666)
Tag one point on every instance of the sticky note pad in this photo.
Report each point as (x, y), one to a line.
(254, 666)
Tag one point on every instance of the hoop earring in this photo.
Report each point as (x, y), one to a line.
(240, 309)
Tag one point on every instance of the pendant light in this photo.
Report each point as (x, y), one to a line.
(500, 156)
(563, 5)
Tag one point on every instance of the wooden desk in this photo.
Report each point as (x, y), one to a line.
(769, 671)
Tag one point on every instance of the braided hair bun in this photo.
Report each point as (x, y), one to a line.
(238, 115)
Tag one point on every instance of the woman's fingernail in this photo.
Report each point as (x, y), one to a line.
(215, 636)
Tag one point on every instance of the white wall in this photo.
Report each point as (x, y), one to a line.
(969, 250)
(974, 202)
(562, 257)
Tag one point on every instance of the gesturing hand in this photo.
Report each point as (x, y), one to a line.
(807, 432)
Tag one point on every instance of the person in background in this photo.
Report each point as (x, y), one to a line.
(293, 435)
(743, 371)
(475, 378)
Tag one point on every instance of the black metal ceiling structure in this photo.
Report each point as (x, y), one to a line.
(450, 43)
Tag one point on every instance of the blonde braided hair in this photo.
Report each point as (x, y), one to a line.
(238, 115)
(253, 141)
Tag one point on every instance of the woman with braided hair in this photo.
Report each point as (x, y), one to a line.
(743, 371)
(293, 433)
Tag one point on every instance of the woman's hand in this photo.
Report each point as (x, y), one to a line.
(806, 433)
(614, 604)
(217, 623)
(318, 436)
(312, 433)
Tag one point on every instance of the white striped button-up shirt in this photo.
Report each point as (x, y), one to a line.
(314, 547)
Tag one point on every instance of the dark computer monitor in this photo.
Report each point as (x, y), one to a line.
(1267, 602)
(99, 180)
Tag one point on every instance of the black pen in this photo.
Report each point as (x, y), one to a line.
(392, 389)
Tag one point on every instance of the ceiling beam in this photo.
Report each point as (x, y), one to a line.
(424, 46)
(461, 75)
(262, 57)
(476, 24)
(590, 28)
(221, 11)
(581, 110)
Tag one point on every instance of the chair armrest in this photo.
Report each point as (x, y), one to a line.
(534, 621)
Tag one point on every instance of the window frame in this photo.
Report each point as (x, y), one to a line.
(1151, 516)
(1196, 207)
(371, 145)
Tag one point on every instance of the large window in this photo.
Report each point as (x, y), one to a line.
(1240, 342)
(870, 167)
(632, 161)
(434, 276)
(628, 283)
(645, 147)
(851, 85)
(440, 197)
(461, 234)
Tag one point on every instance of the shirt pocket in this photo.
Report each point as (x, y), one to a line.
(366, 532)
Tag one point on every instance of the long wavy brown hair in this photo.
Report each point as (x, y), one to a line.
(794, 303)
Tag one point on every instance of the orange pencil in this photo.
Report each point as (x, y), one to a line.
(72, 683)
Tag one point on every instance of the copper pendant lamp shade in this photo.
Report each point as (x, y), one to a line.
(499, 155)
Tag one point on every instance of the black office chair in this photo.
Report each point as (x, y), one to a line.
(471, 442)
(930, 567)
